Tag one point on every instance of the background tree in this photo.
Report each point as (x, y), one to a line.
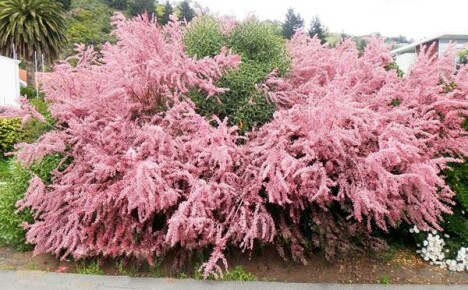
(168, 10)
(118, 4)
(29, 26)
(186, 12)
(66, 3)
(292, 23)
(317, 29)
(141, 6)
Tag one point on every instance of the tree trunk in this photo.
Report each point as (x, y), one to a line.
(30, 72)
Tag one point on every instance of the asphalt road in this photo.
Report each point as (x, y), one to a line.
(19, 280)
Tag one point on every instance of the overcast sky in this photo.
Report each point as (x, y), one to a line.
(412, 18)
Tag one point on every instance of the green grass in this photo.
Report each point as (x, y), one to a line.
(91, 268)
(236, 274)
(385, 280)
(4, 169)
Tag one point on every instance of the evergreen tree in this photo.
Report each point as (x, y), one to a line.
(317, 29)
(292, 23)
(186, 11)
(65, 3)
(168, 10)
(140, 6)
(118, 4)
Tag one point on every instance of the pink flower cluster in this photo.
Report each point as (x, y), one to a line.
(352, 147)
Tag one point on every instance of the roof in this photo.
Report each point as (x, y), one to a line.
(8, 59)
(412, 46)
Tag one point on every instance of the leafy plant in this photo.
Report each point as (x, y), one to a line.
(10, 134)
(385, 280)
(261, 49)
(236, 274)
(34, 128)
(33, 26)
(11, 231)
(89, 268)
(456, 224)
(30, 92)
(4, 169)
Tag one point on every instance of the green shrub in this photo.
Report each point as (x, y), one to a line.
(236, 274)
(88, 23)
(33, 129)
(17, 182)
(91, 268)
(4, 169)
(262, 50)
(30, 92)
(456, 225)
(10, 134)
(204, 38)
(11, 231)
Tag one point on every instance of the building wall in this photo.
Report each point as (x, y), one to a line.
(405, 60)
(432, 45)
(445, 43)
(9, 81)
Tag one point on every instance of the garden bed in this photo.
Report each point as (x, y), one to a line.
(398, 266)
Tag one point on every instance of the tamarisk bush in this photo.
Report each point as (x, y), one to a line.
(147, 174)
(352, 147)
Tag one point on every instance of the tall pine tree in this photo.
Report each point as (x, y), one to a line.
(317, 29)
(168, 11)
(141, 6)
(186, 11)
(292, 23)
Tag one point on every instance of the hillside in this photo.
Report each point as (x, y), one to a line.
(88, 21)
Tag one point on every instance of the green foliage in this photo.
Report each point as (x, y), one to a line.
(11, 231)
(65, 4)
(394, 66)
(88, 22)
(167, 11)
(141, 6)
(395, 102)
(456, 225)
(236, 274)
(385, 280)
(292, 22)
(239, 274)
(4, 169)
(317, 29)
(117, 4)
(463, 57)
(30, 92)
(261, 49)
(33, 129)
(126, 271)
(186, 12)
(157, 272)
(204, 38)
(16, 184)
(91, 268)
(10, 134)
(32, 25)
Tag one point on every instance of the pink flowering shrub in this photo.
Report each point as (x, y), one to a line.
(357, 146)
(352, 147)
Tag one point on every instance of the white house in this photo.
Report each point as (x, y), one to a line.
(9, 81)
(406, 55)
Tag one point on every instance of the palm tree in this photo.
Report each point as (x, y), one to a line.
(28, 26)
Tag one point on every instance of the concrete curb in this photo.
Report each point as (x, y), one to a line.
(19, 280)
